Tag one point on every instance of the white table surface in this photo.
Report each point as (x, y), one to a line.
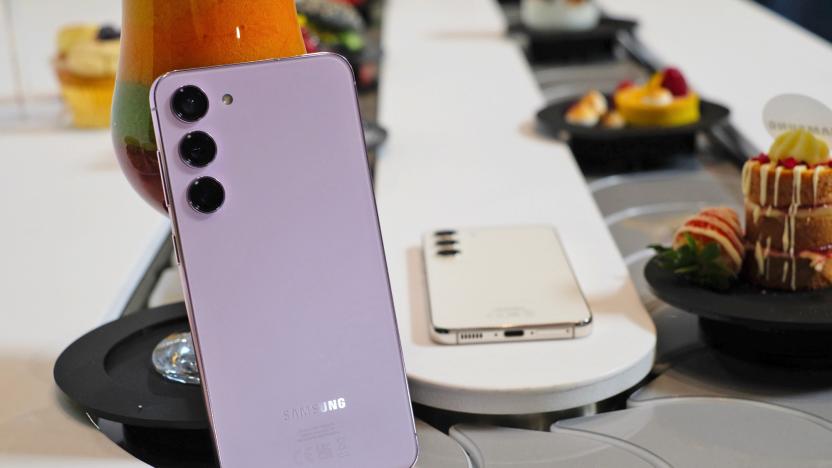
(459, 99)
(75, 238)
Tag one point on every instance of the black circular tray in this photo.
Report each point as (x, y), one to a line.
(607, 28)
(746, 305)
(589, 44)
(599, 149)
(108, 372)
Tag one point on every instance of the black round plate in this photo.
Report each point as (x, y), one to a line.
(552, 119)
(607, 28)
(109, 373)
(745, 304)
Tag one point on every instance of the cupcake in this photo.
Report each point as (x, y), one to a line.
(560, 15)
(86, 66)
(665, 101)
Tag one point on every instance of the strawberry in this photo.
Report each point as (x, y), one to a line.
(789, 163)
(674, 82)
(762, 158)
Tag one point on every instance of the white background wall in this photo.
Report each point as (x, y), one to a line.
(35, 24)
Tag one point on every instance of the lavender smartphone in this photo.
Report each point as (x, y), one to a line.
(282, 264)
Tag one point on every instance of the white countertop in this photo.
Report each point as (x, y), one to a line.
(75, 237)
(459, 99)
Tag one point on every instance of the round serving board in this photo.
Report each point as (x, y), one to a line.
(745, 304)
(109, 373)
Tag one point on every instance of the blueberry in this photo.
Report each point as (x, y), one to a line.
(108, 33)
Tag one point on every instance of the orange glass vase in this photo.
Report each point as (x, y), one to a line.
(163, 35)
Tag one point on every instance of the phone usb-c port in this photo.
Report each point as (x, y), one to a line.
(513, 333)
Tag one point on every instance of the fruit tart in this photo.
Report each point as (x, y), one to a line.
(665, 101)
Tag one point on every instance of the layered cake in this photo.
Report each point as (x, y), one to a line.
(788, 205)
(664, 101)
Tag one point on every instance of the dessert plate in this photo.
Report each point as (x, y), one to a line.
(552, 46)
(108, 372)
(630, 148)
(744, 303)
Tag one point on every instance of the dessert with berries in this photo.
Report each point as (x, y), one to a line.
(665, 101)
(788, 205)
(707, 249)
(86, 66)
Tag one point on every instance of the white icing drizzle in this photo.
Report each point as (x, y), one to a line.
(777, 173)
(759, 256)
(815, 179)
(785, 272)
(766, 256)
(763, 182)
(755, 214)
(746, 178)
(791, 221)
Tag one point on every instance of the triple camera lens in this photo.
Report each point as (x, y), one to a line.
(197, 149)
(206, 194)
(189, 103)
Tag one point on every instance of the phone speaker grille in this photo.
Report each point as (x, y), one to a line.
(470, 336)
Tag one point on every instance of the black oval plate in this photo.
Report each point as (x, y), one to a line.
(109, 373)
(552, 119)
(744, 303)
(607, 28)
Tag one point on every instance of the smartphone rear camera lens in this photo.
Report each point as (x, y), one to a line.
(206, 194)
(444, 233)
(197, 149)
(189, 103)
(448, 252)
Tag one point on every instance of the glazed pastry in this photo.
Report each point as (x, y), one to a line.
(86, 66)
(582, 114)
(788, 206)
(665, 101)
(596, 101)
(715, 225)
(559, 15)
(613, 119)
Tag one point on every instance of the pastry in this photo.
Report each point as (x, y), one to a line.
(582, 114)
(720, 225)
(559, 15)
(588, 110)
(707, 250)
(788, 213)
(665, 101)
(613, 119)
(86, 66)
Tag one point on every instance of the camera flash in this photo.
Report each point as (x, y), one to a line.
(227, 99)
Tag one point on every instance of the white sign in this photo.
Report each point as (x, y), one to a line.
(791, 111)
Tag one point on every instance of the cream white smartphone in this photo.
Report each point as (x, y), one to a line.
(489, 285)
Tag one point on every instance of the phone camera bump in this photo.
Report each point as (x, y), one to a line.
(197, 149)
(206, 194)
(189, 103)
